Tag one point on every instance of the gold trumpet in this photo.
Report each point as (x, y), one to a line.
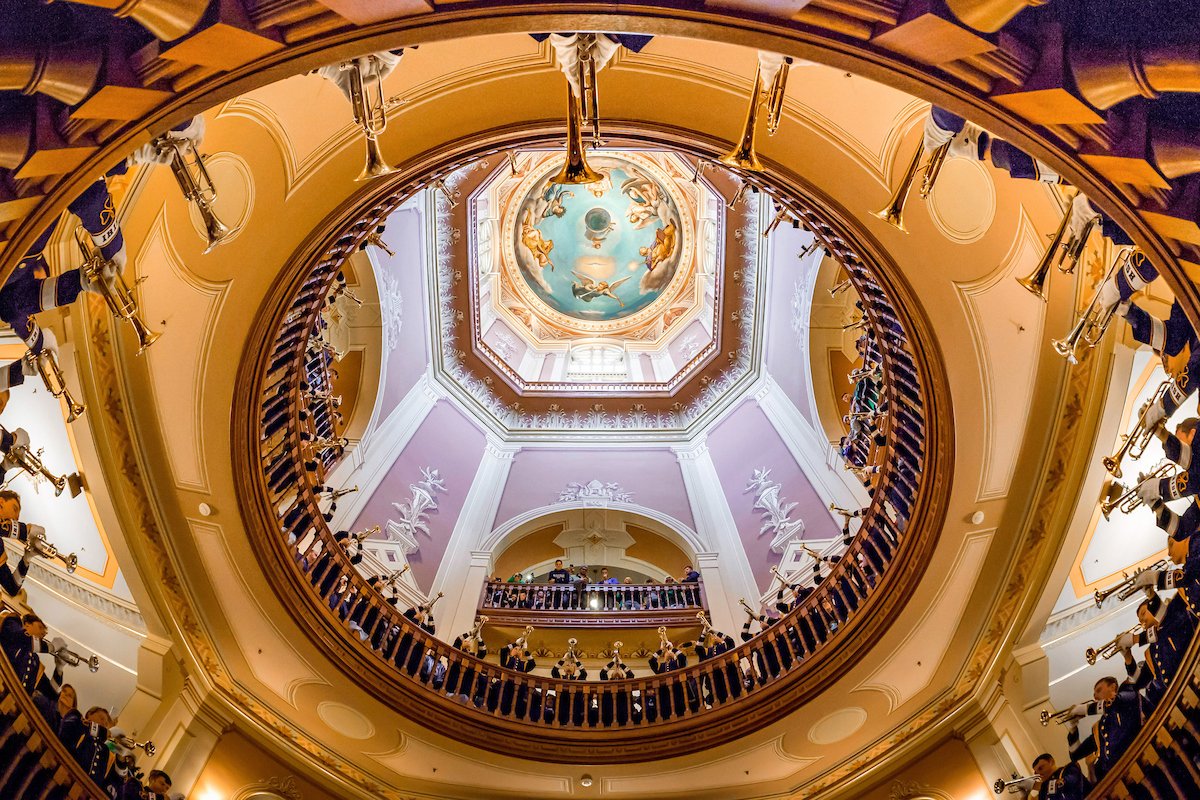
(1059, 717)
(1035, 281)
(861, 322)
(30, 462)
(1128, 499)
(48, 551)
(585, 74)
(744, 155)
(841, 287)
(130, 743)
(73, 659)
(774, 223)
(743, 187)
(188, 167)
(1000, 785)
(1094, 322)
(365, 532)
(749, 610)
(575, 169)
(376, 238)
(115, 291)
(439, 596)
(370, 113)
(893, 212)
(1126, 588)
(1111, 649)
(46, 365)
(1136, 441)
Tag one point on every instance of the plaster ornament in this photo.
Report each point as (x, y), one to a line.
(594, 492)
(414, 517)
(776, 514)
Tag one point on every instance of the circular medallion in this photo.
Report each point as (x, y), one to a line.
(599, 253)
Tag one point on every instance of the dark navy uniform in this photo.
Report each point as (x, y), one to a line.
(1165, 648)
(1119, 724)
(24, 653)
(1065, 783)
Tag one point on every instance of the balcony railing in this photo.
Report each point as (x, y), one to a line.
(715, 700)
(624, 605)
(36, 765)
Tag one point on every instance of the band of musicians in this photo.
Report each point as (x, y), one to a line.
(696, 593)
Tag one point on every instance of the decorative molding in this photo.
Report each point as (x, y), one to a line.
(391, 306)
(594, 492)
(776, 514)
(414, 518)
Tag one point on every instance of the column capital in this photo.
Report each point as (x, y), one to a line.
(501, 450)
(691, 451)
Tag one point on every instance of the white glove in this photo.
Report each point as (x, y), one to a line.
(49, 341)
(28, 365)
(1079, 711)
(1082, 212)
(935, 136)
(1147, 578)
(1126, 641)
(1155, 414)
(34, 531)
(1148, 491)
(20, 437)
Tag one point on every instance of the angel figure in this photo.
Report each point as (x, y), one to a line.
(590, 288)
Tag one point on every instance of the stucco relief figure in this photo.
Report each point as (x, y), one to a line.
(538, 247)
(600, 188)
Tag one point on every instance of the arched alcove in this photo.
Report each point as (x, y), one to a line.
(621, 535)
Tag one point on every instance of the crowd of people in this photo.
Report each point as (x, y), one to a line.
(866, 405)
(103, 750)
(1167, 614)
(572, 588)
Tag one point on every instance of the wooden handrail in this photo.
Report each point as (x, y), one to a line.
(1143, 754)
(29, 722)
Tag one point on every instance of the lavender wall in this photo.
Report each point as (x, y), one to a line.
(652, 476)
(743, 442)
(446, 441)
(783, 355)
(405, 235)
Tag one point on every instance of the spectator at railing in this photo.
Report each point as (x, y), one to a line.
(560, 577)
(54, 710)
(579, 582)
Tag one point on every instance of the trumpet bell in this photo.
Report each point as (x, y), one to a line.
(145, 336)
(215, 231)
(744, 156)
(376, 166)
(1036, 283)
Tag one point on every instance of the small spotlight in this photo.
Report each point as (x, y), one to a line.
(585, 781)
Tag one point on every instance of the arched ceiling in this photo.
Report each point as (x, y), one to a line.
(844, 134)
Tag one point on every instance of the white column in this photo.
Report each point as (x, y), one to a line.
(728, 566)
(367, 463)
(808, 447)
(460, 575)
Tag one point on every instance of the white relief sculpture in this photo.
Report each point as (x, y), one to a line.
(776, 514)
(414, 517)
(391, 303)
(594, 492)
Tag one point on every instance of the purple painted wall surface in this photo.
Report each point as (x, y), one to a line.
(688, 343)
(743, 442)
(783, 355)
(405, 364)
(652, 476)
(450, 443)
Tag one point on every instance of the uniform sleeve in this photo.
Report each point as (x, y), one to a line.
(1146, 328)
(1177, 451)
